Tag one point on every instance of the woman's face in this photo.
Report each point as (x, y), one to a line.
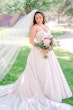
(39, 18)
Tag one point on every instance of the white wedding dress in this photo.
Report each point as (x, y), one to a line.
(41, 86)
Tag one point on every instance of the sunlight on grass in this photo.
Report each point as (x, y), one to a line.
(4, 31)
(66, 43)
(63, 56)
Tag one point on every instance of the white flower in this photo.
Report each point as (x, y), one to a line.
(46, 42)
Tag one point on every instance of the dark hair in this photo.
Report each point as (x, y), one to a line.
(34, 21)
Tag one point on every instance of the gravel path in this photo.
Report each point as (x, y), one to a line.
(66, 41)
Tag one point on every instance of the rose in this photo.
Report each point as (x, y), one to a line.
(46, 42)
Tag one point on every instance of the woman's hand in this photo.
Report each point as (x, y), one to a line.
(46, 51)
(43, 51)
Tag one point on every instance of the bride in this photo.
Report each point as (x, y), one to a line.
(42, 85)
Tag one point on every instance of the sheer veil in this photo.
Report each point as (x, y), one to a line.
(11, 42)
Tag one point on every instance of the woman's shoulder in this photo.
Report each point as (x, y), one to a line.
(46, 26)
(34, 27)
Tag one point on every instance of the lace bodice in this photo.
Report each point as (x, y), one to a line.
(42, 34)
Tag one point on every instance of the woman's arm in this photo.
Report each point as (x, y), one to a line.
(32, 35)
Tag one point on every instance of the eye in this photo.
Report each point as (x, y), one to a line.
(36, 18)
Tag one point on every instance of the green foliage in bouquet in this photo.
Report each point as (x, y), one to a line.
(41, 45)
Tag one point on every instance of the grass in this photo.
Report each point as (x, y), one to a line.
(65, 59)
(56, 33)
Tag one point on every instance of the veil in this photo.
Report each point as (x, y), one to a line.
(11, 42)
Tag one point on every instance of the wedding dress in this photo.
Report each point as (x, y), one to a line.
(41, 86)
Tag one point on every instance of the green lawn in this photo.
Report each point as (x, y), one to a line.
(65, 59)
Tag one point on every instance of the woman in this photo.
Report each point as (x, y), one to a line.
(42, 85)
(53, 81)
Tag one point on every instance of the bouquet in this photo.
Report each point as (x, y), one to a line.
(46, 43)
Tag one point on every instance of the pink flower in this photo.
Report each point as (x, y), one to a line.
(46, 42)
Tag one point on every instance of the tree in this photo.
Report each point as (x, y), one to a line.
(68, 7)
(37, 4)
(68, 11)
(56, 9)
(27, 5)
(12, 6)
(1, 6)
